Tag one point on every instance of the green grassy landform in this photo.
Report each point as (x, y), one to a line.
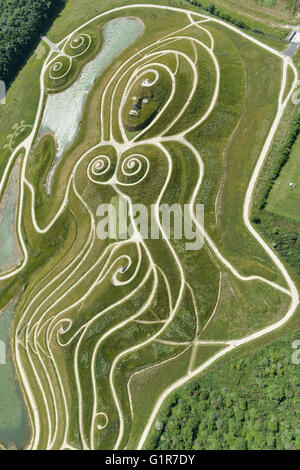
(285, 196)
(104, 328)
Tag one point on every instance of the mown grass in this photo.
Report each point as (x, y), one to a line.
(243, 308)
(20, 105)
(56, 84)
(75, 14)
(244, 352)
(250, 404)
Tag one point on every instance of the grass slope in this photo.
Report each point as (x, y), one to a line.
(52, 253)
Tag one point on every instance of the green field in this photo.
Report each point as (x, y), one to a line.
(251, 403)
(14, 429)
(266, 11)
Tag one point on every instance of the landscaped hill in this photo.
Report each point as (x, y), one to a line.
(157, 106)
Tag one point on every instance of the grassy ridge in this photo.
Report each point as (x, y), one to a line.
(229, 146)
(279, 223)
(266, 12)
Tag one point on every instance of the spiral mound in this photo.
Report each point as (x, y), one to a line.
(79, 44)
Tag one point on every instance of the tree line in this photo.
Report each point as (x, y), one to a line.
(284, 156)
(215, 10)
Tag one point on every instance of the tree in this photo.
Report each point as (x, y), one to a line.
(21, 24)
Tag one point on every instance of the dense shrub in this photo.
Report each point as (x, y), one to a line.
(252, 403)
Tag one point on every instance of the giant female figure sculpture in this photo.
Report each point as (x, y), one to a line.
(99, 310)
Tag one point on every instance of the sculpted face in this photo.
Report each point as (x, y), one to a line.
(145, 99)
